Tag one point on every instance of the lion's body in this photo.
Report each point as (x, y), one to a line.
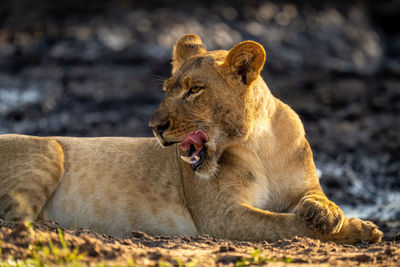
(105, 184)
(257, 181)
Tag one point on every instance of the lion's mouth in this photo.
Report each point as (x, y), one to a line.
(193, 144)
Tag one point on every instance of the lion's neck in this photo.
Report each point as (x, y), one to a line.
(265, 107)
(276, 129)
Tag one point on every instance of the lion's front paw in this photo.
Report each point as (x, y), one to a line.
(320, 214)
(357, 230)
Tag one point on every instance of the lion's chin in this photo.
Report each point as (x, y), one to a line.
(207, 170)
(209, 167)
(204, 166)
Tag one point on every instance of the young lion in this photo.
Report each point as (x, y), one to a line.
(235, 164)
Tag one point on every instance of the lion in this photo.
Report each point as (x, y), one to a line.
(232, 162)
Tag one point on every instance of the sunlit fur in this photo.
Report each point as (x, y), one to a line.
(257, 182)
(249, 130)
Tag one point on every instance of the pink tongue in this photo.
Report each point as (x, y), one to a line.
(197, 138)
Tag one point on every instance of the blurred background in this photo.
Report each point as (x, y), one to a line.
(96, 68)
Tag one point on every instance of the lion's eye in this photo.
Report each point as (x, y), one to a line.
(193, 90)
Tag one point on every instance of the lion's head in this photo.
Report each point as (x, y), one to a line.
(211, 100)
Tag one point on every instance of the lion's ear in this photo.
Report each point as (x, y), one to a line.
(247, 59)
(188, 46)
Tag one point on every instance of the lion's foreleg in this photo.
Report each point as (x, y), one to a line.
(247, 223)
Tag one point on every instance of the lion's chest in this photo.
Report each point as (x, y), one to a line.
(267, 196)
(274, 193)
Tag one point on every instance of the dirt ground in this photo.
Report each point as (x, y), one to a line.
(22, 241)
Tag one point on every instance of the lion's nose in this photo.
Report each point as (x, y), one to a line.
(160, 129)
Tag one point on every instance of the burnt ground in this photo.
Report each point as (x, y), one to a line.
(92, 68)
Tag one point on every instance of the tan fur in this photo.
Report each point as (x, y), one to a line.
(30, 170)
(257, 182)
